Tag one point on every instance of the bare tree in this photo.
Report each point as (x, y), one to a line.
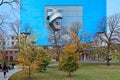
(78, 36)
(15, 26)
(27, 28)
(14, 4)
(57, 37)
(3, 22)
(112, 36)
(9, 2)
(74, 29)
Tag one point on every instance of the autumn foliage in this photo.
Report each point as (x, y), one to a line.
(43, 59)
(69, 61)
(30, 56)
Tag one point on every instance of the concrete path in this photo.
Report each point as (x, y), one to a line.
(53, 64)
(10, 73)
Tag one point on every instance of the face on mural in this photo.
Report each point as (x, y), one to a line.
(54, 18)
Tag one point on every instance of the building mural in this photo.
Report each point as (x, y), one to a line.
(88, 12)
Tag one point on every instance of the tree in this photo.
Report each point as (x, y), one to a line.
(74, 29)
(43, 59)
(99, 53)
(77, 35)
(115, 50)
(9, 2)
(57, 39)
(28, 53)
(13, 4)
(111, 37)
(69, 59)
(15, 27)
(3, 22)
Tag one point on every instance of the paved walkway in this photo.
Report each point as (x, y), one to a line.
(10, 73)
(53, 64)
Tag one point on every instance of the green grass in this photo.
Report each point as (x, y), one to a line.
(89, 71)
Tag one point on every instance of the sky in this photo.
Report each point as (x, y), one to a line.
(113, 6)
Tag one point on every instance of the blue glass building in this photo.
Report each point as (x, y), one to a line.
(33, 13)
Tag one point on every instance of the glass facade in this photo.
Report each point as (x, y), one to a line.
(88, 12)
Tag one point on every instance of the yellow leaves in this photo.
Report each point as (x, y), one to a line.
(74, 37)
(76, 40)
(70, 48)
(21, 60)
(68, 61)
(34, 66)
(52, 60)
(80, 46)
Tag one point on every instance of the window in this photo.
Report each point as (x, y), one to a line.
(3, 43)
(11, 58)
(11, 52)
(12, 37)
(6, 58)
(4, 48)
(12, 43)
(8, 43)
(8, 38)
(16, 52)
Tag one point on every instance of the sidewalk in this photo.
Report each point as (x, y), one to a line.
(10, 73)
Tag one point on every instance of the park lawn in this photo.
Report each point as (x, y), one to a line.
(88, 71)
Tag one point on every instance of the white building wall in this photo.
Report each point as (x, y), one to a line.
(7, 41)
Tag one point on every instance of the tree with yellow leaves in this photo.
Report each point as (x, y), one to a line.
(27, 53)
(43, 59)
(68, 61)
(31, 56)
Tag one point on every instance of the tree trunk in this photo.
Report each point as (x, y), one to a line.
(108, 61)
(69, 74)
(98, 57)
(29, 72)
(108, 53)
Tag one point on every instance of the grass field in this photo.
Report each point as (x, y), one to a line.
(89, 71)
